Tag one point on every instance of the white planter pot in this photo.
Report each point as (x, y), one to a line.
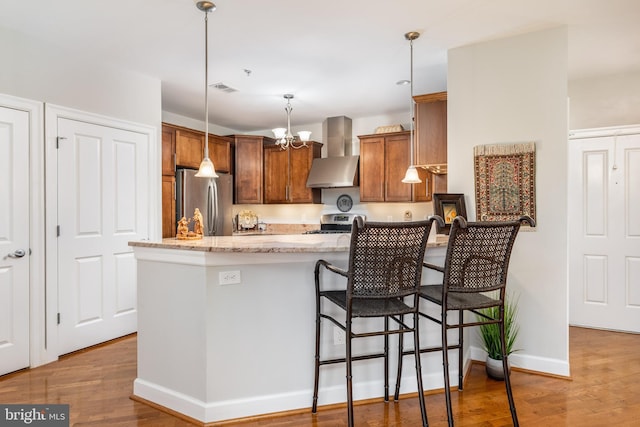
(494, 369)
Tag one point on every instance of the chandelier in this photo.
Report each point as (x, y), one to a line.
(206, 169)
(411, 176)
(284, 137)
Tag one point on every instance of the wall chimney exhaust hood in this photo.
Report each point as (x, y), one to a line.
(339, 168)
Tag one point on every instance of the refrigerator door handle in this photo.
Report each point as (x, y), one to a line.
(212, 203)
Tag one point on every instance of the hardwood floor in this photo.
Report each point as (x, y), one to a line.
(604, 391)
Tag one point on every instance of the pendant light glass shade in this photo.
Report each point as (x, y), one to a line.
(206, 170)
(411, 177)
(304, 135)
(279, 133)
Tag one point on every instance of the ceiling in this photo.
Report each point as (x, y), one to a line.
(337, 57)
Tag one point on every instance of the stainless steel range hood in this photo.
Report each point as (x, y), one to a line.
(340, 167)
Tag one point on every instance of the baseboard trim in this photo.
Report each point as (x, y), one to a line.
(531, 364)
(260, 407)
(275, 415)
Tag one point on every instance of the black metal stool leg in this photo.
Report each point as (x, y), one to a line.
(386, 359)
(445, 367)
(396, 395)
(507, 380)
(349, 375)
(460, 350)
(416, 352)
(314, 407)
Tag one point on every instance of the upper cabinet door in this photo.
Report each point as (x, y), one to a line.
(168, 151)
(276, 175)
(248, 169)
(397, 153)
(221, 153)
(299, 166)
(431, 129)
(372, 169)
(189, 148)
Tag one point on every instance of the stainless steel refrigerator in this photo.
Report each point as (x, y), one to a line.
(213, 196)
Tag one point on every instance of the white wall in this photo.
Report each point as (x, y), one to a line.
(188, 122)
(605, 101)
(515, 90)
(37, 71)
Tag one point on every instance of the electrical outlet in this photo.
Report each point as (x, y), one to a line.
(229, 277)
(338, 336)
(408, 215)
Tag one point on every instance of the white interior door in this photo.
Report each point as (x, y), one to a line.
(14, 239)
(604, 234)
(102, 205)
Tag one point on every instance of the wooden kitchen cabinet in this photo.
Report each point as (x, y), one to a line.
(168, 182)
(382, 166)
(169, 224)
(423, 192)
(168, 151)
(221, 153)
(286, 173)
(431, 144)
(189, 148)
(248, 169)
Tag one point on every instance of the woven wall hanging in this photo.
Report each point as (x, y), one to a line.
(505, 181)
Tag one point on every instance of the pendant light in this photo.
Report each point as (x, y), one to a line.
(206, 170)
(411, 176)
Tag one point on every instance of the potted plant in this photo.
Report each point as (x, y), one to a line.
(490, 335)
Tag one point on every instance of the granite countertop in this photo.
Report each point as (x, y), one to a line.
(257, 243)
(289, 243)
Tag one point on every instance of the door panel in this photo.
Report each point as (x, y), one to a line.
(102, 205)
(14, 236)
(276, 175)
(604, 236)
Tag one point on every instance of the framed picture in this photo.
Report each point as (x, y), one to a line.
(448, 206)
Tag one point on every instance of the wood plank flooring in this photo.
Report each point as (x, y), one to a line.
(604, 391)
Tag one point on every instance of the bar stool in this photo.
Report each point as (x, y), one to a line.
(383, 280)
(476, 262)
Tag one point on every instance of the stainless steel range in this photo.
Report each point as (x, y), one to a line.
(336, 223)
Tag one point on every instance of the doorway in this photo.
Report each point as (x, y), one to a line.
(98, 200)
(604, 231)
(14, 239)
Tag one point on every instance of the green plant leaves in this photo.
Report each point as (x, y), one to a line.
(490, 333)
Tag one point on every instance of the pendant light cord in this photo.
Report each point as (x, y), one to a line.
(412, 109)
(206, 84)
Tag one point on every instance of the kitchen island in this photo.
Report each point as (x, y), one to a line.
(226, 327)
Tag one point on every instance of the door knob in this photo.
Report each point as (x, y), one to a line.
(19, 253)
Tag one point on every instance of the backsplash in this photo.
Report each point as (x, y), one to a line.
(310, 213)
